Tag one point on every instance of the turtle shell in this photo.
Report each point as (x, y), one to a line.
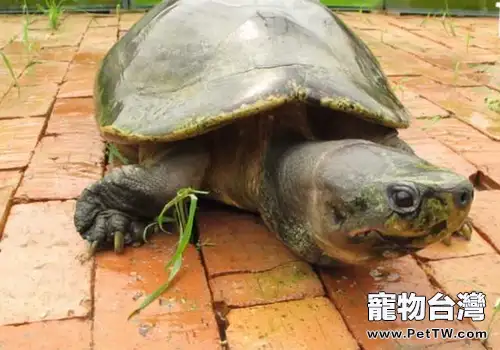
(189, 66)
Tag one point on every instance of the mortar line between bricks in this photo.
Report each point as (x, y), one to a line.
(93, 273)
(30, 117)
(456, 117)
(425, 260)
(41, 321)
(241, 272)
(273, 302)
(486, 238)
(422, 59)
(103, 171)
(418, 34)
(12, 199)
(20, 200)
(220, 327)
(24, 200)
(342, 316)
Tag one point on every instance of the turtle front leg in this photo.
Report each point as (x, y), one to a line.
(126, 199)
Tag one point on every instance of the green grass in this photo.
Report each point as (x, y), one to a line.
(53, 10)
(8, 65)
(425, 20)
(431, 122)
(456, 73)
(185, 220)
(493, 104)
(448, 24)
(118, 14)
(113, 152)
(467, 42)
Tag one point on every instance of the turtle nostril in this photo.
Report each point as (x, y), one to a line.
(463, 197)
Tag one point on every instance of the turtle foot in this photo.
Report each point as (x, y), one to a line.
(465, 232)
(105, 228)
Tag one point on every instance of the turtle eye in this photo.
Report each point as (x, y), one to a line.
(403, 198)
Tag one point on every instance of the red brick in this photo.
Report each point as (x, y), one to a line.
(475, 147)
(227, 232)
(349, 288)
(8, 184)
(127, 20)
(418, 106)
(184, 318)
(62, 167)
(288, 282)
(99, 39)
(79, 88)
(404, 40)
(104, 21)
(42, 279)
(84, 59)
(59, 54)
(5, 83)
(79, 82)
(43, 72)
(461, 137)
(476, 273)
(415, 132)
(459, 248)
(32, 101)
(488, 163)
(18, 138)
(82, 71)
(72, 116)
(484, 215)
(303, 324)
(474, 113)
(62, 39)
(436, 153)
(52, 335)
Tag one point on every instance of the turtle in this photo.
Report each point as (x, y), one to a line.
(274, 107)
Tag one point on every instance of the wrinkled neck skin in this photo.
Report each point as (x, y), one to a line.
(286, 184)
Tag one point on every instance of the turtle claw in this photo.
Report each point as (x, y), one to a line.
(465, 232)
(92, 249)
(119, 242)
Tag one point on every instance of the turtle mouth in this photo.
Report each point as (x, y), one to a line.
(380, 240)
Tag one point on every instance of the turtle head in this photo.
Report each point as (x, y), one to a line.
(368, 202)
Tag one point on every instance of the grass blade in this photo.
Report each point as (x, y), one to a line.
(114, 152)
(13, 76)
(175, 262)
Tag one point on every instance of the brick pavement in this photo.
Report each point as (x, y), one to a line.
(257, 297)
